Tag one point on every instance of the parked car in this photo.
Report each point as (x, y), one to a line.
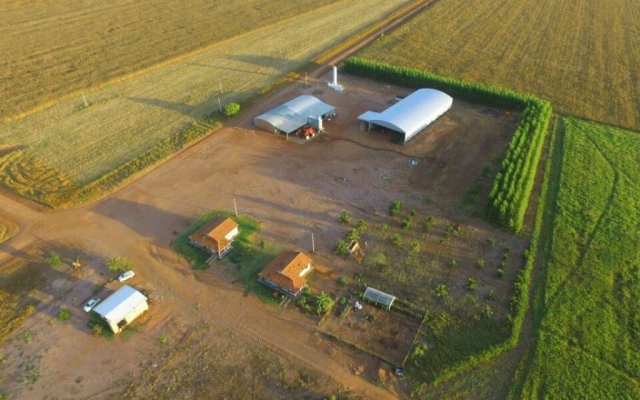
(91, 304)
(126, 276)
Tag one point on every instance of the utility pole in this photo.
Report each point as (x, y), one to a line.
(235, 206)
(313, 244)
(85, 100)
(305, 81)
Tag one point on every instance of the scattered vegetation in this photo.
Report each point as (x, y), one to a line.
(395, 208)
(341, 248)
(54, 261)
(342, 281)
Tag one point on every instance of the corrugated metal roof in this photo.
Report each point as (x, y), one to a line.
(413, 113)
(379, 297)
(115, 307)
(294, 114)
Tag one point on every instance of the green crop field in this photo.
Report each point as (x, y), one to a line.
(586, 308)
(582, 56)
(49, 49)
(70, 153)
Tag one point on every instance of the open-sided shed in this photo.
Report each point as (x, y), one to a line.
(380, 298)
(294, 114)
(412, 114)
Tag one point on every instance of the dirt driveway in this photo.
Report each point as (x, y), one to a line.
(293, 189)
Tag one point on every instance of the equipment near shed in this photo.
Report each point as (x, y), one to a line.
(306, 132)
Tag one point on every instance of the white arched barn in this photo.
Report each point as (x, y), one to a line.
(412, 114)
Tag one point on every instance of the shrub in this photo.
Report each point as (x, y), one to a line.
(26, 336)
(441, 290)
(454, 263)
(415, 246)
(164, 338)
(342, 300)
(198, 306)
(231, 109)
(419, 351)
(306, 291)
(342, 281)
(324, 303)
(116, 264)
(500, 272)
(64, 315)
(444, 238)
(345, 217)
(395, 208)
(406, 223)
(491, 295)
(384, 226)
(376, 259)
(487, 312)
(361, 225)
(97, 329)
(54, 261)
(480, 263)
(491, 242)
(413, 213)
(353, 234)
(341, 248)
(396, 239)
(472, 284)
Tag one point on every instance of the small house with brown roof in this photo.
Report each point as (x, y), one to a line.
(286, 272)
(216, 236)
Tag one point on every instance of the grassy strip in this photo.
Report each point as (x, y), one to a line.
(512, 188)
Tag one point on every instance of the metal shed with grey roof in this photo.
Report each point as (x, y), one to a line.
(294, 114)
(380, 298)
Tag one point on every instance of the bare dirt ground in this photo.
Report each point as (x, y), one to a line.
(293, 189)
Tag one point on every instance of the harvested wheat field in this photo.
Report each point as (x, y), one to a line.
(581, 56)
(49, 49)
(70, 153)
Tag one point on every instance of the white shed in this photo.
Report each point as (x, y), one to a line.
(412, 114)
(122, 307)
(294, 114)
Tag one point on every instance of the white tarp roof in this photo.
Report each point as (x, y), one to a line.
(379, 297)
(293, 114)
(117, 306)
(413, 113)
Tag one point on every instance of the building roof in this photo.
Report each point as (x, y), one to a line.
(413, 113)
(212, 234)
(293, 115)
(285, 270)
(117, 306)
(379, 297)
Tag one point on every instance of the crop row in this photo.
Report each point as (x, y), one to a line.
(512, 188)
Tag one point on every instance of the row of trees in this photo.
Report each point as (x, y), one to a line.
(512, 188)
(509, 197)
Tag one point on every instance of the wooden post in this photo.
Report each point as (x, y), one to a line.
(235, 206)
(313, 244)
(305, 81)
(220, 82)
(219, 104)
(85, 100)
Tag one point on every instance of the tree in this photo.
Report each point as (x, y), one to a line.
(116, 264)
(341, 248)
(345, 217)
(231, 109)
(324, 302)
(441, 290)
(342, 281)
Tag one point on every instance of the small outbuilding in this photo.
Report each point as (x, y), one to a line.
(412, 114)
(286, 273)
(293, 115)
(375, 296)
(216, 236)
(122, 307)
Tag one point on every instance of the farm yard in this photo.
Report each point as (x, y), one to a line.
(44, 56)
(579, 56)
(586, 308)
(68, 153)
